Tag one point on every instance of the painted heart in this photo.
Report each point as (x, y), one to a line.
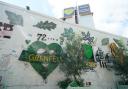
(44, 50)
(88, 52)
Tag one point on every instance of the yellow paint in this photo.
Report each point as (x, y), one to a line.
(68, 11)
(44, 58)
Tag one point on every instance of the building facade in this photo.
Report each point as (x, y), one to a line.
(24, 35)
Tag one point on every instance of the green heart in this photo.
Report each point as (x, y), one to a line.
(27, 41)
(88, 52)
(38, 66)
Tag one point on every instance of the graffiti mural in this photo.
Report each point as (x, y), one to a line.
(88, 53)
(114, 49)
(14, 18)
(68, 33)
(45, 25)
(117, 52)
(87, 37)
(105, 41)
(99, 55)
(43, 58)
(102, 58)
(5, 30)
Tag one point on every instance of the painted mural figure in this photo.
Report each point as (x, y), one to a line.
(100, 58)
(99, 55)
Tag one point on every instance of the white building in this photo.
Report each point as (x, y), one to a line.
(23, 31)
(83, 14)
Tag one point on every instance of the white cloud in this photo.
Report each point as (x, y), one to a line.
(109, 15)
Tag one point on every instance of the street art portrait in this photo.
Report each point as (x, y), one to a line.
(99, 55)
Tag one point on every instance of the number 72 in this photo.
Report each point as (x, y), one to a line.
(41, 36)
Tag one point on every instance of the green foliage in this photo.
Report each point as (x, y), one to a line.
(121, 62)
(64, 84)
(74, 84)
(68, 82)
(73, 59)
(122, 69)
(77, 83)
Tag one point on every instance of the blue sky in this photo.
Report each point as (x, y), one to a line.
(109, 15)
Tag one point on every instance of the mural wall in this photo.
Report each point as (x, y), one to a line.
(31, 46)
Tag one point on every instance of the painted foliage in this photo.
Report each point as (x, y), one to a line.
(68, 34)
(45, 25)
(87, 37)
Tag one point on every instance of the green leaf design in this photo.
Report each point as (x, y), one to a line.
(45, 25)
(68, 33)
(88, 52)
